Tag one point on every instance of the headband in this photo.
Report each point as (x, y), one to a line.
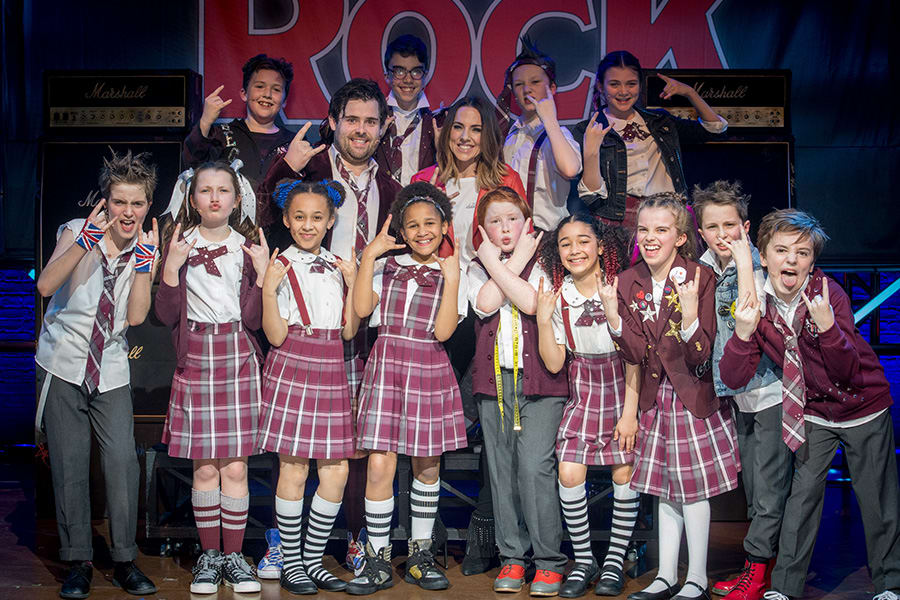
(427, 199)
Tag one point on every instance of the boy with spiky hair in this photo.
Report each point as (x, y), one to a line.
(543, 152)
(721, 211)
(255, 139)
(99, 278)
(407, 146)
(833, 392)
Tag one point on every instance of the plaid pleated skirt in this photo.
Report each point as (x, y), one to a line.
(595, 405)
(409, 401)
(683, 458)
(306, 399)
(214, 406)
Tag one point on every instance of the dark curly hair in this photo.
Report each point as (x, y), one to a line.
(287, 189)
(264, 61)
(614, 240)
(420, 191)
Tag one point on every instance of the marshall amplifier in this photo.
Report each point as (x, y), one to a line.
(148, 100)
(749, 99)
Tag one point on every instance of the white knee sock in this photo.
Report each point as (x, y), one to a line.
(671, 523)
(696, 528)
(378, 522)
(423, 507)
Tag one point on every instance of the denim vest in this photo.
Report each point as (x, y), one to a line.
(726, 294)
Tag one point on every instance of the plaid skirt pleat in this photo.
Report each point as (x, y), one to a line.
(409, 401)
(214, 406)
(306, 399)
(596, 402)
(683, 458)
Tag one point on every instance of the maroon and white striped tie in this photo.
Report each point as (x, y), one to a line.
(103, 321)
(793, 385)
(362, 216)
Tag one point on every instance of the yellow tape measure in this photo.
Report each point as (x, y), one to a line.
(498, 377)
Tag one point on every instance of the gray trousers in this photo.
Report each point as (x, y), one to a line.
(767, 469)
(869, 449)
(69, 416)
(523, 472)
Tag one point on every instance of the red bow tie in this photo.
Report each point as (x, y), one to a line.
(420, 274)
(207, 258)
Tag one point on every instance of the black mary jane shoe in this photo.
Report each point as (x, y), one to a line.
(78, 581)
(704, 593)
(579, 580)
(609, 586)
(127, 576)
(666, 594)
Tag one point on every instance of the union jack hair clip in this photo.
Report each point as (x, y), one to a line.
(144, 255)
(89, 237)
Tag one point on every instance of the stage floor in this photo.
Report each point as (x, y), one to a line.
(28, 551)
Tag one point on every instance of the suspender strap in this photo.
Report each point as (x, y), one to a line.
(298, 295)
(567, 325)
(532, 168)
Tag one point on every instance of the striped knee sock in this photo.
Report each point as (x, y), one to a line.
(378, 522)
(318, 528)
(574, 507)
(234, 522)
(423, 507)
(625, 510)
(289, 514)
(206, 515)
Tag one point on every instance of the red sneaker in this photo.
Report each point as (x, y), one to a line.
(724, 587)
(511, 579)
(751, 585)
(546, 583)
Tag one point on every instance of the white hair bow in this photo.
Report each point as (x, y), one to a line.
(183, 185)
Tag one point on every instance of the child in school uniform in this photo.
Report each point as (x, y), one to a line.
(721, 211)
(210, 295)
(306, 398)
(630, 152)
(661, 312)
(99, 277)
(409, 401)
(520, 402)
(542, 152)
(600, 422)
(834, 392)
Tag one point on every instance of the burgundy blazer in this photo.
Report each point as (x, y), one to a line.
(318, 168)
(656, 344)
(427, 150)
(844, 378)
(536, 379)
(171, 307)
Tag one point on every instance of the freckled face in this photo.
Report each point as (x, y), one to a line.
(503, 222)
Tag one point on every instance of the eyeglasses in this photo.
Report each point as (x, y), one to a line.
(401, 72)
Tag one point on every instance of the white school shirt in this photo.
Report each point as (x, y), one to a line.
(323, 293)
(65, 337)
(405, 260)
(588, 340)
(476, 277)
(212, 299)
(343, 234)
(409, 149)
(551, 189)
(464, 216)
(751, 401)
(787, 310)
(647, 175)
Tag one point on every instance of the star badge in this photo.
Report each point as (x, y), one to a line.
(674, 330)
(633, 306)
(648, 314)
(672, 297)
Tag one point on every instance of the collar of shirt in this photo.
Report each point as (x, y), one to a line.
(532, 129)
(334, 156)
(635, 118)
(785, 308)
(232, 242)
(295, 254)
(711, 260)
(392, 102)
(572, 295)
(406, 260)
(107, 243)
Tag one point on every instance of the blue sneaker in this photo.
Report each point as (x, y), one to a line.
(271, 564)
(356, 552)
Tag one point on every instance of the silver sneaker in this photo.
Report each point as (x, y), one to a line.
(238, 575)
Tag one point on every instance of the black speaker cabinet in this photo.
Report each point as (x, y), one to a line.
(69, 189)
(765, 169)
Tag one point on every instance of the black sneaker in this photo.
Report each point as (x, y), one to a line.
(377, 573)
(579, 580)
(207, 573)
(78, 581)
(420, 567)
(238, 575)
(127, 576)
